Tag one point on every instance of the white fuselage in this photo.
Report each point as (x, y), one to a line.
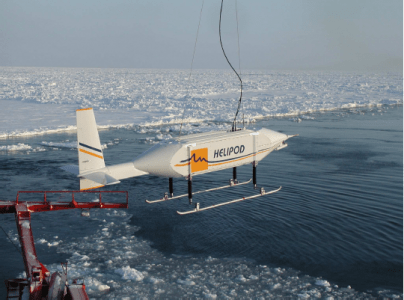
(182, 157)
(208, 152)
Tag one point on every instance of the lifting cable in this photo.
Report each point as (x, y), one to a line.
(11, 241)
(238, 41)
(241, 82)
(192, 63)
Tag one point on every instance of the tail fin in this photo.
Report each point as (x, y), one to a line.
(89, 147)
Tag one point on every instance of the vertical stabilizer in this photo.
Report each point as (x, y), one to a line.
(89, 146)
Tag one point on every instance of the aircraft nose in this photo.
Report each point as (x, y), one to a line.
(273, 136)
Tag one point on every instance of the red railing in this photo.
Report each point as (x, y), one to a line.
(38, 277)
(46, 205)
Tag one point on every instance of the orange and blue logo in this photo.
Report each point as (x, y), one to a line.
(199, 160)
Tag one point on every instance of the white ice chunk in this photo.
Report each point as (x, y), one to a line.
(185, 282)
(19, 147)
(322, 282)
(66, 144)
(209, 296)
(153, 280)
(130, 273)
(55, 243)
(93, 284)
(241, 278)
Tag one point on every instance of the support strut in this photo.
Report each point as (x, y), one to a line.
(190, 189)
(170, 186)
(234, 174)
(254, 174)
(165, 198)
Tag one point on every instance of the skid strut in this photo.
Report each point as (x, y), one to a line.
(170, 186)
(190, 189)
(165, 198)
(234, 180)
(254, 174)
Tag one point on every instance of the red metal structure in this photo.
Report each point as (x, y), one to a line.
(40, 284)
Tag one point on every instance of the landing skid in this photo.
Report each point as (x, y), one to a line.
(232, 184)
(198, 209)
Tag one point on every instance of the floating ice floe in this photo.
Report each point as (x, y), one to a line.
(66, 144)
(55, 243)
(130, 273)
(18, 147)
(126, 265)
(322, 283)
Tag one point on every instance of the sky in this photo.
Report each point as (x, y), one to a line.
(343, 35)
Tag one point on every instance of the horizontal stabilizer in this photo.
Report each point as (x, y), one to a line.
(71, 169)
(101, 178)
(86, 184)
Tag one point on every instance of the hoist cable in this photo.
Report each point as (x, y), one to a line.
(192, 63)
(224, 53)
(238, 40)
(18, 249)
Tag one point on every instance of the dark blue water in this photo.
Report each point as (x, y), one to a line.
(339, 214)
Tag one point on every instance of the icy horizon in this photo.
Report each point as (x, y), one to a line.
(44, 100)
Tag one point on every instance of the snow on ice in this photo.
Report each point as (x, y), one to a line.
(44, 100)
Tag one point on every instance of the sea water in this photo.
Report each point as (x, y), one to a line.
(334, 230)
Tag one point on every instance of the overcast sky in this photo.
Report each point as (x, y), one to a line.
(362, 35)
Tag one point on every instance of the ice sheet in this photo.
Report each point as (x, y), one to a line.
(44, 100)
